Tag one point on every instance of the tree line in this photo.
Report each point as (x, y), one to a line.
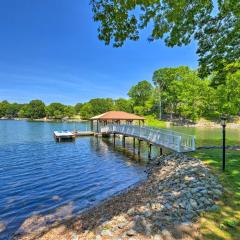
(174, 93)
(37, 109)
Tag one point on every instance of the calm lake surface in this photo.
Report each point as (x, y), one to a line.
(38, 175)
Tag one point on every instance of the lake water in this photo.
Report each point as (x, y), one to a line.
(38, 175)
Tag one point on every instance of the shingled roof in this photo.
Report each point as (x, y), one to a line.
(117, 115)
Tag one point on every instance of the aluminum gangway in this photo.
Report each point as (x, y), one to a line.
(172, 140)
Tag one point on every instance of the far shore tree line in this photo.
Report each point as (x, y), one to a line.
(175, 93)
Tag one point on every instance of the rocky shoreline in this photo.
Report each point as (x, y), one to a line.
(165, 206)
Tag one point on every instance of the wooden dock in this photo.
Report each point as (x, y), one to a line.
(169, 139)
(83, 133)
(68, 135)
(63, 136)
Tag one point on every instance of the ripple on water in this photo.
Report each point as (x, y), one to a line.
(42, 181)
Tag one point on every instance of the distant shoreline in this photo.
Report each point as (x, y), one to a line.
(46, 120)
(200, 124)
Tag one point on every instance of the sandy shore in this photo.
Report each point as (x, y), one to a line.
(165, 206)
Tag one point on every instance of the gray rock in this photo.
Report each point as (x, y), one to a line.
(193, 203)
(106, 233)
(74, 236)
(131, 211)
(157, 237)
(122, 225)
(148, 214)
(98, 237)
(167, 235)
(131, 233)
(167, 206)
(161, 187)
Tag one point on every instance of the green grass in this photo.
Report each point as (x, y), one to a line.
(153, 122)
(225, 222)
(211, 136)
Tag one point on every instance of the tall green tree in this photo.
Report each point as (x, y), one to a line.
(55, 110)
(86, 111)
(36, 109)
(24, 111)
(140, 93)
(189, 96)
(3, 108)
(183, 93)
(162, 79)
(96, 106)
(228, 95)
(69, 111)
(216, 29)
(78, 107)
(101, 105)
(13, 110)
(124, 105)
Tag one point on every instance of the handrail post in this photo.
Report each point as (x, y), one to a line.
(193, 144)
(179, 143)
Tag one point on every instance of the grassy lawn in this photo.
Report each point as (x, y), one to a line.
(225, 222)
(153, 122)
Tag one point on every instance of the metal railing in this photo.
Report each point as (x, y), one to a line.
(176, 141)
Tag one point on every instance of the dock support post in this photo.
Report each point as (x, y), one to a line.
(134, 144)
(149, 151)
(161, 152)
(91, 125)
(123, 141)
(97, 127)
(139, 146)
(114, 139)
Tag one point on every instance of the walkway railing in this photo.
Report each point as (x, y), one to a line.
(176, 141)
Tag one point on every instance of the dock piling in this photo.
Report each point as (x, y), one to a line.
(114, 139)
(139, 146)
(149, 150)
(161, 151)
(123, 141)
(134, 145)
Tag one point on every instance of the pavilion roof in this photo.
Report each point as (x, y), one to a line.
(117, 115)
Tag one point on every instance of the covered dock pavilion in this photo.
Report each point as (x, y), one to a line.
(115, 117)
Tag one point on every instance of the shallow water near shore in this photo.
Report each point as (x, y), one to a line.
(39, 176)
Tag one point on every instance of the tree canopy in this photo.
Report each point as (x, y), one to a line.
(179, 92)
(140, 92)
(215, 25)
(36, 109)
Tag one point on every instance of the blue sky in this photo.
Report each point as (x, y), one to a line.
(49, 50)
